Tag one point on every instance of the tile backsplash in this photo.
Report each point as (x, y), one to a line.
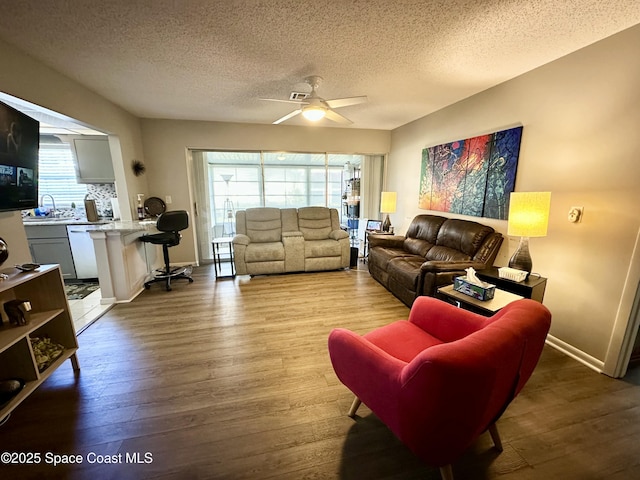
(102, 193)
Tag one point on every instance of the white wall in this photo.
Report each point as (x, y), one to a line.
(166, 145)
(581, 141)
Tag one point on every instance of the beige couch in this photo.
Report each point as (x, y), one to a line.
(274, 240)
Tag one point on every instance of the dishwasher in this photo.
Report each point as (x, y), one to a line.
(83, 252)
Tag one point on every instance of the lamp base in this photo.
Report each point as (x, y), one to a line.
(386, 225)
(521, 258)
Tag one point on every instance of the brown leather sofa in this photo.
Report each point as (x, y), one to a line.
(433, 251)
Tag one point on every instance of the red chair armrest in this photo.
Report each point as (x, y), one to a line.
(363, 367)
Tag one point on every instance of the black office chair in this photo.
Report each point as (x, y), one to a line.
(170, 224)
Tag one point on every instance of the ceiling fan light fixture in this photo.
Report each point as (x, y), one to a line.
(314, 113)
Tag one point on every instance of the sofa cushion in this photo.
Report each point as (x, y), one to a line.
(381, 256)
(463, 235)
(405, 271)
(446, 254)
(322, 248)
(315, 222)
(264, 252)
(263, 224)
(425, 227)
(417, 246)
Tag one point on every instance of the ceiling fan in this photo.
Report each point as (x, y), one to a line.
(314, 108)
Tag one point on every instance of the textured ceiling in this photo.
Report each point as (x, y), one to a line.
(214, 60)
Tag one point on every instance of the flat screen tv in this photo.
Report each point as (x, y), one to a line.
(19, 144)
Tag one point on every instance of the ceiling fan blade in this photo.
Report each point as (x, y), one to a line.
(297, 102)
(336, 117)
(288, 116)
(345, 102)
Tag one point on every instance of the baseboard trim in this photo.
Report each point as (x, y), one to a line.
(571, 351)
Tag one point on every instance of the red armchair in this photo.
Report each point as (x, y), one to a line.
(443, 377)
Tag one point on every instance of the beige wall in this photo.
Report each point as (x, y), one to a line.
(166, 145)
(581, 118)
(30, 80)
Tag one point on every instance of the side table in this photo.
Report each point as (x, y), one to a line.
(500, 299)
(217, 243)
(533, 287)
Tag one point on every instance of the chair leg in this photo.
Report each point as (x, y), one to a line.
(354, 407)
(495, 436)
(446, 472)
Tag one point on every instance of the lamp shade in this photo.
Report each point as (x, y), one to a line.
(529, 214)
(388, 202)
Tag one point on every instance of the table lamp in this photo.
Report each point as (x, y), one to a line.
(387, 205)
(528, 217)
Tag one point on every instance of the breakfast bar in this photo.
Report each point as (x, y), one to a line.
(124, 263)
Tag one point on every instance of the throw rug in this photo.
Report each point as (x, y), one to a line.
(77, 291)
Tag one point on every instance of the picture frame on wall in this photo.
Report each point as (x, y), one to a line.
(472, 177)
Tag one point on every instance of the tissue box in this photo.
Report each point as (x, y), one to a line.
(486, 292)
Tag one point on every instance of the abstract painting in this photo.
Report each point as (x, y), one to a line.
(471, 177)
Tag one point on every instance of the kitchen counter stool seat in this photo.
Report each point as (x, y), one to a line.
(170, 225)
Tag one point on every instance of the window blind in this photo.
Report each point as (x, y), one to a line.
(57, 176)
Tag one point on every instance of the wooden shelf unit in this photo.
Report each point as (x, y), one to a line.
(50, 317)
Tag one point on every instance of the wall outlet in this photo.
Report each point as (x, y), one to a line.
(167, 199)
(575, 214)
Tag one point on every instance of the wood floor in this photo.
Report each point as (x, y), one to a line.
(232, 380)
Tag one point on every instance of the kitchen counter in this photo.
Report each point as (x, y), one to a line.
(122, 262)
(125, 226)
(62, 221)
(63, 240)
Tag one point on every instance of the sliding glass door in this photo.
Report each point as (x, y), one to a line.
(226, 182)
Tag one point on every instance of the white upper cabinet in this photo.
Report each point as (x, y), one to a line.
(93, 159)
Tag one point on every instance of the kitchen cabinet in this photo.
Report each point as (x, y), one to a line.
(49, 318)
(50, 244)
(92, 156)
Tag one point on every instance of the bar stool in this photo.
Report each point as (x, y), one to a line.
(170, 225)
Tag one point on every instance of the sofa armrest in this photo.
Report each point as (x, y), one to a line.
(292, 234)
(443, 320)
(241, 239)
(338, 234)
(389, 241)
(240, 244)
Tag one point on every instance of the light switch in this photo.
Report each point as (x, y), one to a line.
(167, 199)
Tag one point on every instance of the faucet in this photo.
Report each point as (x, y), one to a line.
(52, 201)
